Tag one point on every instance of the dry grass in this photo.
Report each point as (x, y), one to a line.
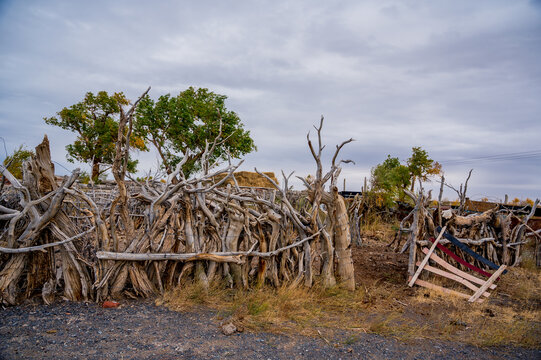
(511, 316)
(248, 178)
(285, 308)
(373, 226)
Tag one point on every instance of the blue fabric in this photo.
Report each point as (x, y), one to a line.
(469, 251)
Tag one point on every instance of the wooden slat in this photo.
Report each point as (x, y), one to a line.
(431, 286)
(455, 278)
(462, 261)
(486, 285)
(469, 251)
(456, 271)
(425, 260)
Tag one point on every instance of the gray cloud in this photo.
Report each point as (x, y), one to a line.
(459, 78)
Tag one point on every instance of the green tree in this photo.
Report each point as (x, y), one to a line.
(14, 162)
(421, 166)
(95, 121)
(390, 178)
(388, 181)
(175, 125)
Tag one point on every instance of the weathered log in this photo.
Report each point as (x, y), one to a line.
(38, 174)
(475, 242)
(43, 167)
(342, 242)
(140, 281)
(108, 255)
(230, 256)
(9, 276)
(472, 219)
(45, 246)
(412, 241)
(236, 222)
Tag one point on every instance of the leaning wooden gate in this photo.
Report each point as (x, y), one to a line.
(479, 286)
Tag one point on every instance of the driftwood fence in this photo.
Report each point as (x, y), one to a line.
(61, 239)
(498, 234)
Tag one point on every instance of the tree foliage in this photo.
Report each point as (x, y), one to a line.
(421, 166)
(390, 178)
(95, 121)
(14, 162)
(184, 123)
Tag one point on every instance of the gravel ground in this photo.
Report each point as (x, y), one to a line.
(141, 330)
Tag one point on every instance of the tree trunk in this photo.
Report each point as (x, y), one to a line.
(232, 244)
(327, 271)
(413, 236)
(342, 242)
(413, 178)
(95, 170)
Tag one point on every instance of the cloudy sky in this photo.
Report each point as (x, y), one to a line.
(462, 79)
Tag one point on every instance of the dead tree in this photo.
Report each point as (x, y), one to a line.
(39, 222)
(461, 192)
(338, 240)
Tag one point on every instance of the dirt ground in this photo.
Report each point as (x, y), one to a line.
(375, 262)
(139, 329)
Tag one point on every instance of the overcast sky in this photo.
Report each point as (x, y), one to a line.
(462, 79)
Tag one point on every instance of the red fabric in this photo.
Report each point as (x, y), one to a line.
(460, 260)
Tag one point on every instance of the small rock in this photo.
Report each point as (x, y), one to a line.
(489, 312)
(110, 304)
(458, 322)
(229, 329)
(47, 293)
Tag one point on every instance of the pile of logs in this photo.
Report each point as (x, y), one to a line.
(55, 239)
(491, 234)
